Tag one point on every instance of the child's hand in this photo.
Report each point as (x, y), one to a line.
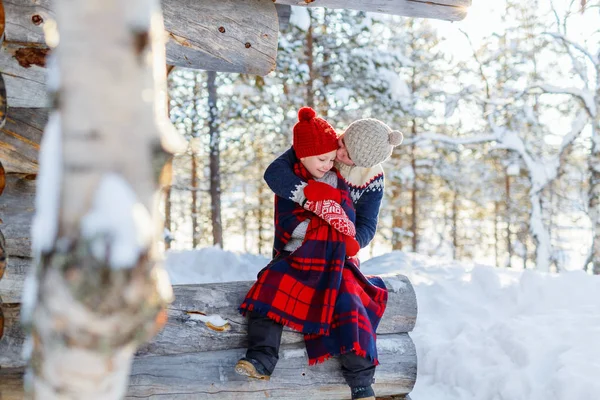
(316, 191)
(352, 246)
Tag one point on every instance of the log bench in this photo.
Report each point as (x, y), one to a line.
(193, 356)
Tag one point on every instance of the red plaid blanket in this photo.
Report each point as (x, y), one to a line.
(314, 290)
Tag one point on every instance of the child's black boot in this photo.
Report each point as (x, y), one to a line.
(363, 393)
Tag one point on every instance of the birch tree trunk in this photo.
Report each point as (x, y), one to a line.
(97, 293)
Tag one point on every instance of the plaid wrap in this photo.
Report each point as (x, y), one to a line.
(315, 289)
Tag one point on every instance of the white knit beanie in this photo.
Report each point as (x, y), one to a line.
(370, 142)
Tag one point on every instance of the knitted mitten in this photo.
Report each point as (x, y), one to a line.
(333, 214)
(316, 191)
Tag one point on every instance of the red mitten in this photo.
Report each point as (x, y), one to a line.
(352, 246)
(316, 191)
(333, 214)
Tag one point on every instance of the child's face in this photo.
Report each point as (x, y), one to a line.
(342, 153)
(319, 165)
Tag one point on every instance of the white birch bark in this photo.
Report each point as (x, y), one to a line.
(97, 292)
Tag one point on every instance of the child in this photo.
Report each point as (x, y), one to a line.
(365, 144)
(312, 288)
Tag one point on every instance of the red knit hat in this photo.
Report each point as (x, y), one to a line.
(313, 135)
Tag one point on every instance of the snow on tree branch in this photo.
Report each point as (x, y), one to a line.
(586, 96)
(576, 46)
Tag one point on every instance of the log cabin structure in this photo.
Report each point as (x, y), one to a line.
(227, 36)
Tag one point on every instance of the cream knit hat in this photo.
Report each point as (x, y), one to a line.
(370, 142)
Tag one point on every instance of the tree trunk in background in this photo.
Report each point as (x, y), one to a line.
(310, 93)
(97, 292)
(167, 191)
(194, 184)
(509, 246)
(455, 225)
(594, 192)
(497, 217)
(215, 171)
(397, 231)
(413, 191)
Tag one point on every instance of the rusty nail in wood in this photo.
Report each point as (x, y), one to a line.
(248, 45)
(37, 19)
(221, 29)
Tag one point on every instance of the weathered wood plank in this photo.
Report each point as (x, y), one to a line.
(20, 139)
(185, 331)
(450, 10)
(284, 13)
(225, 35)
(16, 214)
(11, 285)
(24, 74)
(209, 375)
(11, 384)
(11, 343)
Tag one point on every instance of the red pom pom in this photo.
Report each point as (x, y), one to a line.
(306, 114)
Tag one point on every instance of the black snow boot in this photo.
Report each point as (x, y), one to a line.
(363, 393)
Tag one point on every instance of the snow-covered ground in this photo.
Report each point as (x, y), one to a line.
(482, 333)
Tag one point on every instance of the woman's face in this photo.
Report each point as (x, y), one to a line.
(342, 155)
(319, 165)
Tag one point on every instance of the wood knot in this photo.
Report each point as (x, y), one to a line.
(37, 19)
(221, 29)
(28, 56)
(248, 45)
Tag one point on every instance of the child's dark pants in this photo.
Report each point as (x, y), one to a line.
(264, 338)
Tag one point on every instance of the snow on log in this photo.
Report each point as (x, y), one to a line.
(450, 10)
(20, 139)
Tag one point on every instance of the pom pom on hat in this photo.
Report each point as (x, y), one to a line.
(396, 138)
(306, 114)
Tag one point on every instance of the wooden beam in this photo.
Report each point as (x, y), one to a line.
(226, 35)
(450, 10)
(11, 343)
(210, 375)
(186, 332)
(24, 73)
(20, 139)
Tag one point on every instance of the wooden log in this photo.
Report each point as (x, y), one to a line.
(3, 100)
(11, 343)
(284, 12)
(24, 73)
(449, 10)
(16, 210)
(189, 331)
(11, 384)
(208, 375)
(11, 285)
(226, 35)
(20, 139)
(186, 332)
